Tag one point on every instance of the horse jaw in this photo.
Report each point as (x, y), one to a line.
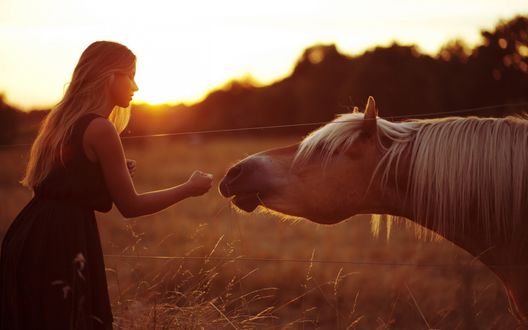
(277, 208)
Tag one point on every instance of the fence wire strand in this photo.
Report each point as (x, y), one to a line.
(258, 128)
(298, 260)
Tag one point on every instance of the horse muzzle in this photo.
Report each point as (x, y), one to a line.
(245, 183)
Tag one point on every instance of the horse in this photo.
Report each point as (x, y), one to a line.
(462, 178)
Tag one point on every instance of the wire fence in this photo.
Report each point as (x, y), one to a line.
(366, 263)
(257, 128)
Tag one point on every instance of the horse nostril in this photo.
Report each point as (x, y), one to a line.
(233, 173)
(231, 176)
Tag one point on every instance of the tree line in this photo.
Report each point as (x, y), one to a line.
(326, 82)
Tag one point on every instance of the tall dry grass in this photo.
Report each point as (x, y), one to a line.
(216, 288)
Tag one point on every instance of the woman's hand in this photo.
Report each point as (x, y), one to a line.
(131, 165)
(199, 183)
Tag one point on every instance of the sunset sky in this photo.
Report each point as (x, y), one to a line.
(186, 48)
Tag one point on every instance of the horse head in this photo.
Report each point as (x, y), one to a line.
(325, 178)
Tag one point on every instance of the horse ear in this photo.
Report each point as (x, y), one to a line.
(370, 115)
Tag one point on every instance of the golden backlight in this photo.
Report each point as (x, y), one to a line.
(187, 48)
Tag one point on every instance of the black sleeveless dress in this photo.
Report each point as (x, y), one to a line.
(52, 273)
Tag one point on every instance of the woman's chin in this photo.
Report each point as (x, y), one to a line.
(123, 104)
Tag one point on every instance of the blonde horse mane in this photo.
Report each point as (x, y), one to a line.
(464, 172)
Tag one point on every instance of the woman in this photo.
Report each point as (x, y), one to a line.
(52, 273)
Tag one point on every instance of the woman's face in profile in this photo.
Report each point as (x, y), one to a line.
(123, 88)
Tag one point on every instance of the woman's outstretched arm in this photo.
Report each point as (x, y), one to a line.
(102, 144)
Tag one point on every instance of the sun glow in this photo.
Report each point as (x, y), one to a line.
(185, 49)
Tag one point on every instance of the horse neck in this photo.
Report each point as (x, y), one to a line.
(466, 229)
(392, 185)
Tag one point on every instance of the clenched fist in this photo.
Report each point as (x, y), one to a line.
(199, 183)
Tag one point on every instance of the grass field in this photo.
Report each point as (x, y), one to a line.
(229, 288)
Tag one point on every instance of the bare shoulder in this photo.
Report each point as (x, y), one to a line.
(100, 130)
(100, 126)
(101, 140)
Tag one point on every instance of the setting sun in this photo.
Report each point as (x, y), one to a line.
(186, 49)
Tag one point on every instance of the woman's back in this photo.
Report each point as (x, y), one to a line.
(77, 179)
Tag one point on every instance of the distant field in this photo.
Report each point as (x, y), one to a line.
(230, 293)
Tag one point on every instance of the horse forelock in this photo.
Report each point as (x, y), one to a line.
(343, 131)
(327, 139)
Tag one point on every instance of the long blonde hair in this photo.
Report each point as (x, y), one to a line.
(87, 92)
